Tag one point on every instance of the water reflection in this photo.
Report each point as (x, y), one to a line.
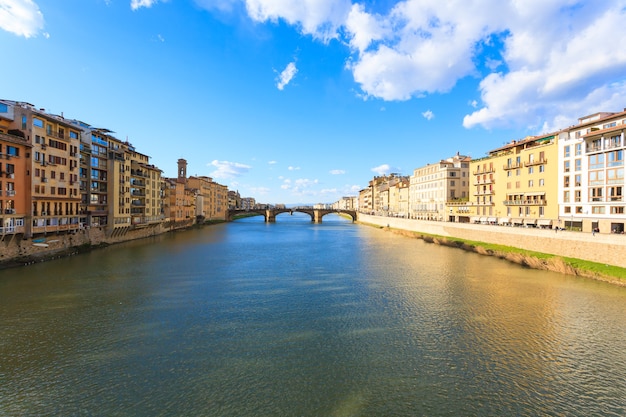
(300, 319)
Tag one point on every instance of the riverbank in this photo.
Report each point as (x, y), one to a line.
(599, 257)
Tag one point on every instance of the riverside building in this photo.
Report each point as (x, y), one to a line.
(517, 184)
(51, 179)
(15, 152)
(440, 191)
(591, 173)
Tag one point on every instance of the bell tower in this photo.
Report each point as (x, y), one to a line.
(182, 171)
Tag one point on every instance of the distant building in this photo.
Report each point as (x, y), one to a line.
(434, 186)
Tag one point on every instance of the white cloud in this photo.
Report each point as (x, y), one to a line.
(428, 115)
(286, 76)
(21, 17)
(337, 171)
(272, 162)
(546, 62)
(554, 56)
(291, 168)
(558, 76)
(226, 169)
(301, 186)
(319, 18)
(137, 4)
(384, 169)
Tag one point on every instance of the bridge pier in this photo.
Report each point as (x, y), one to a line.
(270, 216)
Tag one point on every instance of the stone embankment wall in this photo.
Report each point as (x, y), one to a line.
(14, 250)
(608, 249)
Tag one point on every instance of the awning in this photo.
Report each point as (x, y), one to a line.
(474, 219)
(530, 221)
(504, 220)
(544, 222)
(534, 194)
(516, 221)
(483, 219)
(492, 219)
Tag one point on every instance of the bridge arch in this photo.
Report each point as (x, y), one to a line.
(271, 213)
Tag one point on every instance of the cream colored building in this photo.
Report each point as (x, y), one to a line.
(434, 186)
(517, 184)
(591, 173)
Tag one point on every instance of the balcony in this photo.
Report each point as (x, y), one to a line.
(537, 162)
(514, 165)
(56, 135)
(487, 170)
(524, 202)
(594, 148)
(10, 193)
(8, 211)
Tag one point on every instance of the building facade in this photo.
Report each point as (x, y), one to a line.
(591, 173)
(433, 186)
(517, 184)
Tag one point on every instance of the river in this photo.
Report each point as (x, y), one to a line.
(301, 319)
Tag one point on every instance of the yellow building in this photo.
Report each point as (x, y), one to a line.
(517, 184)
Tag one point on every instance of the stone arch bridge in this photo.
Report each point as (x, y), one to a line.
(271, 213)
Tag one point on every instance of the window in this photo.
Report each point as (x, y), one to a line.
(617, 210)
(615, 158)
(566, 166)
(577, 180)
(595, 161)
(579, 149)
(13, 151)
(567, 209)
(579, 210)
(541, 211)
(615, 176)
(578, 164)
(566, 196)
(517, 184)
(37, 122)
(541, 182)
(73, 135)
(542, 168)
(577, 196)
(596, 178)
(566, 181)
(597, 210)
(566, 152)
(531, 170)
(595, 194)
(531, 183)
(615, 193)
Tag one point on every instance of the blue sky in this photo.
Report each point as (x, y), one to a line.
(304, 101)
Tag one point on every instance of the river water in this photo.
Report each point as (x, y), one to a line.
(302, 319)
